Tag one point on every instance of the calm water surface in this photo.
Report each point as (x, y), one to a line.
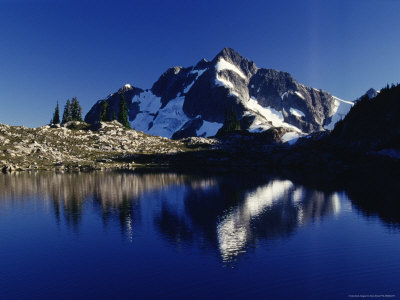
(170, 235)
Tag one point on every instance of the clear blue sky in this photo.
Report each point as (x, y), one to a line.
(58, 49)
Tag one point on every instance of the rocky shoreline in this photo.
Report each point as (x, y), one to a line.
(77, 147)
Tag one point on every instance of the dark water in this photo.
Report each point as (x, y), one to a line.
(120, 235)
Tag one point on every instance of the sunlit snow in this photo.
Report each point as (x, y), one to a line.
(300, 95)
(297, 112)
(270, 114)
(223, 82)
(341, 109)
(222, 64)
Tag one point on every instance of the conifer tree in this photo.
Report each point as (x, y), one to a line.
(110, 114)
(67, 115)
(104, 112)
(76, 110)
(231, 122)
(56, 115)
(123, 112)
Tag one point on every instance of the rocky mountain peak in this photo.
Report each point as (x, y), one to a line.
(125, 88)
(194, 101)
(230, 56)
(372, 93)
(202, 64)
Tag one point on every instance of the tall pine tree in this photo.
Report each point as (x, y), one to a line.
(123, 112)
(104, 112)
(76, 110)
(56, 115)
(67, 115)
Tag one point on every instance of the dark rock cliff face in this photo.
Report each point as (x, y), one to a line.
(280, 91)
(201, 95)
(171, 83)
(113, 101)
(208, 100)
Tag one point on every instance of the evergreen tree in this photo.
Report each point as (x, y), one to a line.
(123, 112)
(56, 115)
(104, 112)
(231, 122)
(67, 115)
(76, 110)
(235, 120)
(114, 116)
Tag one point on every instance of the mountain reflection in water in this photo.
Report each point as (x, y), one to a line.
(232, 215)
(225, 213)
(107, 235)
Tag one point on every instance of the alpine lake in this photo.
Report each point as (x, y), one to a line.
(173, 235)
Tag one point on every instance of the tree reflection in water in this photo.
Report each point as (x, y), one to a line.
(114, 194)
(225, 214)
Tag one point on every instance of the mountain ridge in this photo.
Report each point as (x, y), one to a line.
(193, 101)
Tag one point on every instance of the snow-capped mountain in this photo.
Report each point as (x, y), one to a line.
(193, 101)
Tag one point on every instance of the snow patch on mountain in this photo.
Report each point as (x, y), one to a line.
(291, 137)
(269, 114)
(169, 119)
(149, 104)
(297, 112)
(222, 82)
(341, 109)
(222, 64)
(156, 121)
(208, 129)
(300, 95)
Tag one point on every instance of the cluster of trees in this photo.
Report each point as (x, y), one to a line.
(72, 112)
(372, 124)
(108, 114)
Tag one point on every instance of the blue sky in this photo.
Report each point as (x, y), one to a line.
(57, 49)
